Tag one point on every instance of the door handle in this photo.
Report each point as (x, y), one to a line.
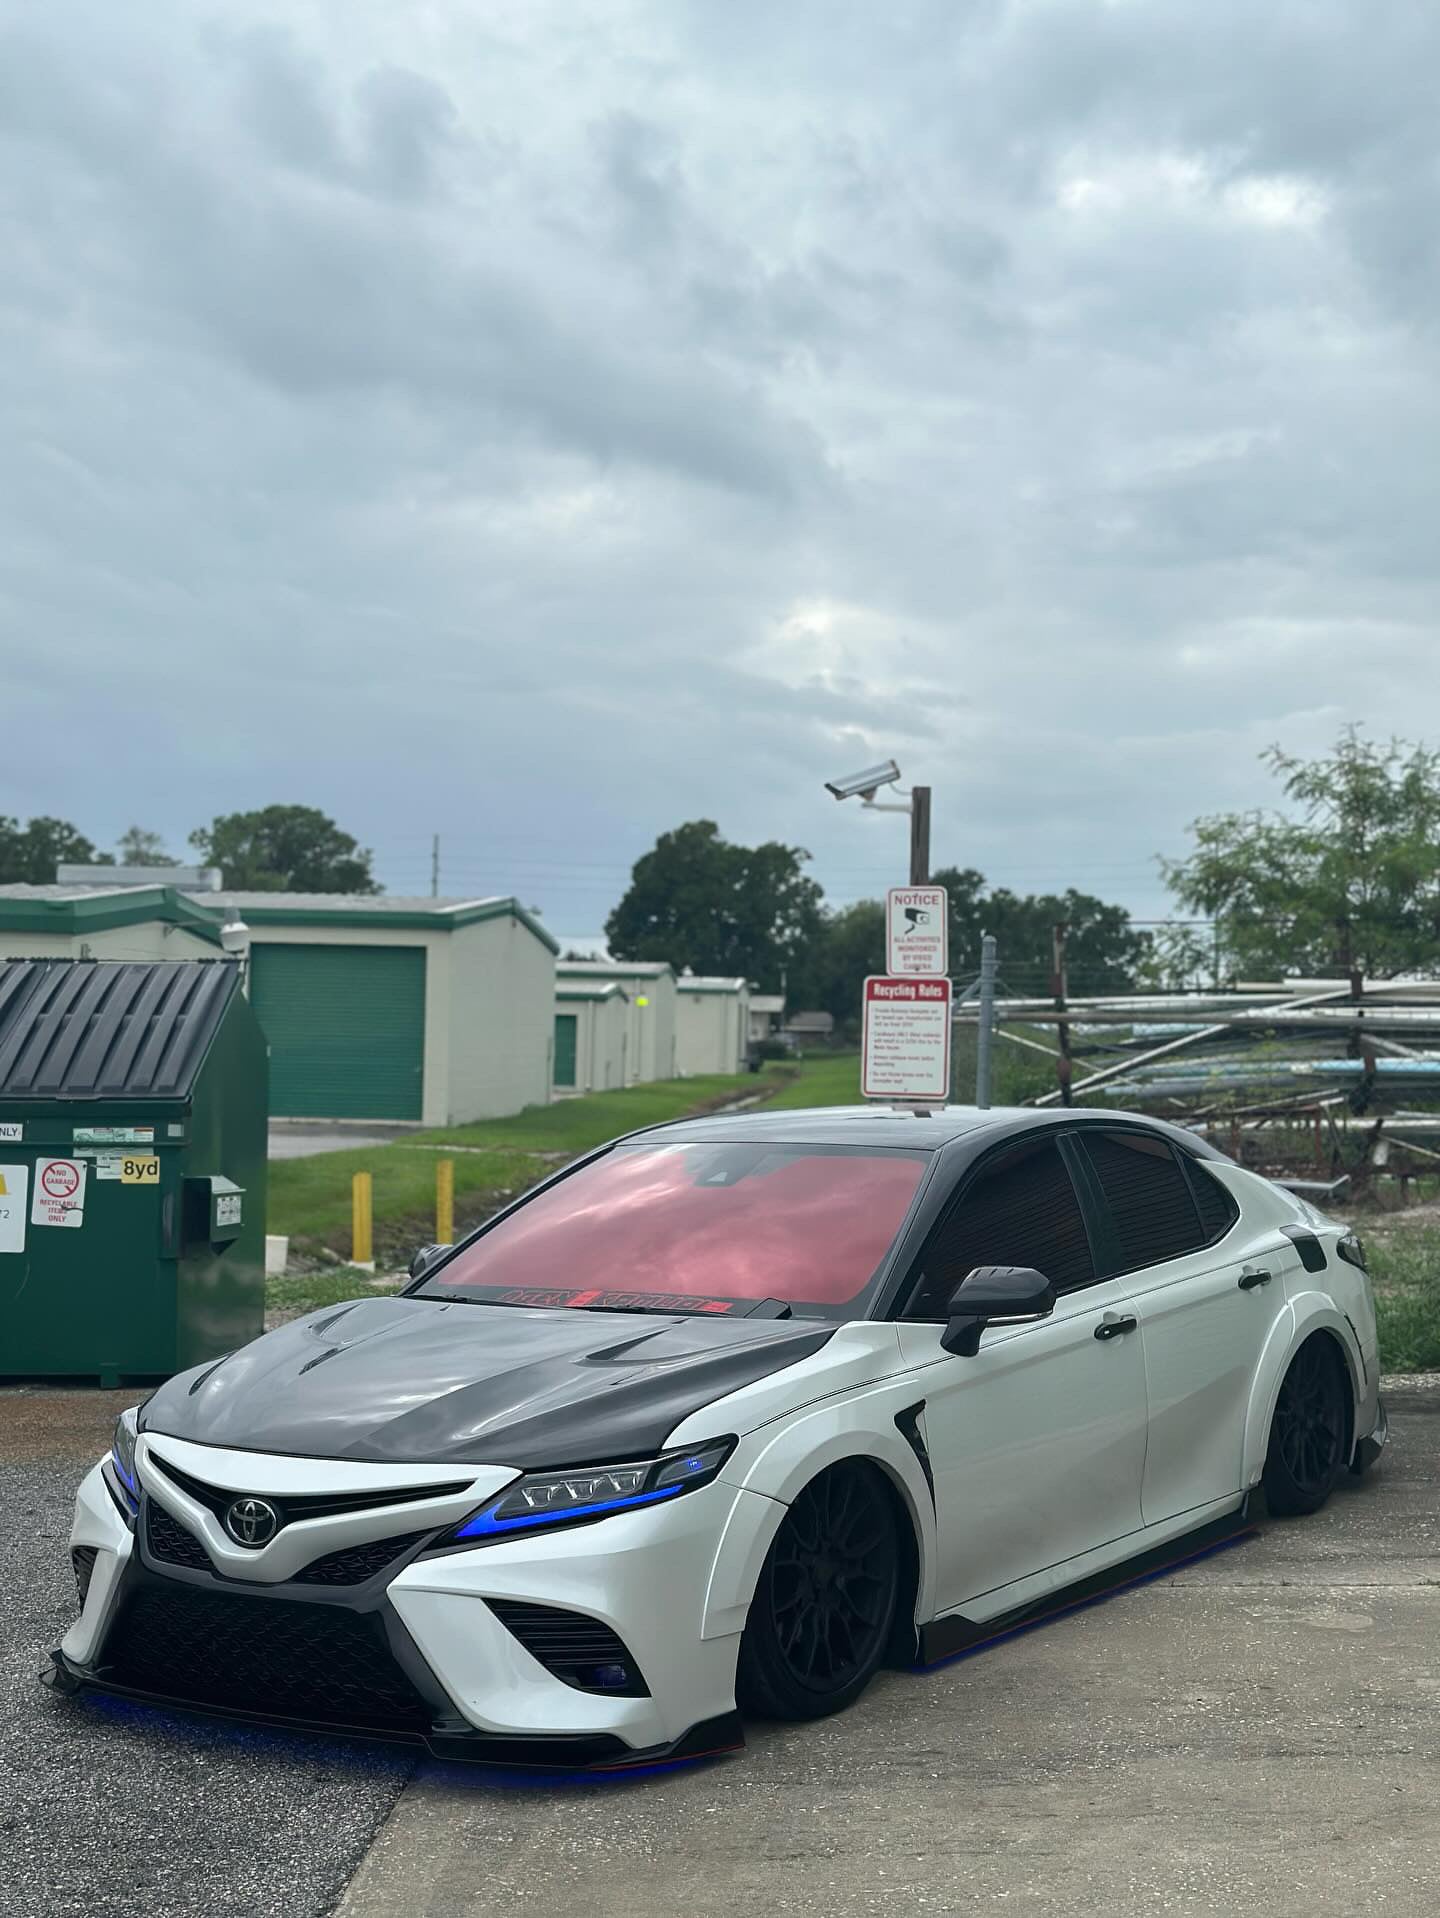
(1109, 1328)
(1252, 1276)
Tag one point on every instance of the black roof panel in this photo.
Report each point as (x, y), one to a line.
(95, 1029)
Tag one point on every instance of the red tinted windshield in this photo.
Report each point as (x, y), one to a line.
(699, 1227)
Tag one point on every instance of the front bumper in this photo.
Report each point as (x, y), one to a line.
(421, 1655)
(1369, 1448)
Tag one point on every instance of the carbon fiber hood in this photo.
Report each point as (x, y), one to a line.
(420, 1381)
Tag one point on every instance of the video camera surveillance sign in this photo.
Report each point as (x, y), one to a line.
(917, 927)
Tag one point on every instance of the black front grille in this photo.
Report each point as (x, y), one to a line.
(82, 1560)
(576, 1649)
(358, 1562)
(173, 1543)
(281, 1658)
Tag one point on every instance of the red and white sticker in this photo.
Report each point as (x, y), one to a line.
(59, 1192)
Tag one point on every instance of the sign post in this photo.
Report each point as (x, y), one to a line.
(907, 1040)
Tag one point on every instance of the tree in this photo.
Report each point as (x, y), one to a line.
(284, 849)
(1104, 951)
(30, 854)
(136, 847)
(1347, 884)
(698, 901)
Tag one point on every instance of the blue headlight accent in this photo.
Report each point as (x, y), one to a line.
(486, 1525)
(124, 1477)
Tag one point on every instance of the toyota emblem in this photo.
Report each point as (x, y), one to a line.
(252, 1521)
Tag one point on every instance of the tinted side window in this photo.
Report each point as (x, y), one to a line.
(1155, 1215)
(1019, 1209)
(1218, 1210)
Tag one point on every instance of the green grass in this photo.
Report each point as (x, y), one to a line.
(310, 1198)
(1405, 1269)
(825, 1079)
(575, 1125)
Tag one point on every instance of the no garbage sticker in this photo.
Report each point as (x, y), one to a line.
(59, 1192)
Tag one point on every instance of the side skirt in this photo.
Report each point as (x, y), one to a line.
(954, 1635)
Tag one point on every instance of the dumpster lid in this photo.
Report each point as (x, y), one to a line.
(96, 1028)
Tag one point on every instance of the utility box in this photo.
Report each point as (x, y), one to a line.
(133, 1114)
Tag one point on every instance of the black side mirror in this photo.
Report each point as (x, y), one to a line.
(995, 1295)
(425, 1258)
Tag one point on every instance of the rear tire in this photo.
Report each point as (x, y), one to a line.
(824, 1606)
(1309, 1432)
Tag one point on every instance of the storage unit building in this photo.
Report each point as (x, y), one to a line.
(712, 1021)
(132, 1167)
(591, 1035)
(97, 921)
(649, 985)
(436, 1011)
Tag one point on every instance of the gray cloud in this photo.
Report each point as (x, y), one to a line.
(651, 408)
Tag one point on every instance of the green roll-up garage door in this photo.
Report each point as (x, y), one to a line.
(565, 1048)
(346, 1026)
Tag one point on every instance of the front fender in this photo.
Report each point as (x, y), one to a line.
(777, 1462)
(1305, 1314)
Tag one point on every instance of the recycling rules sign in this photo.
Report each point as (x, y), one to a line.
(906, 1051)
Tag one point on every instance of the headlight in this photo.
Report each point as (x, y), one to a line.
(565, 1498)
(122, 1449)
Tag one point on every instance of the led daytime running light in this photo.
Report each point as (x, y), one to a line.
(562, 1498)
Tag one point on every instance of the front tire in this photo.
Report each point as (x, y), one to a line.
(1309, 1431)
(824, 1607)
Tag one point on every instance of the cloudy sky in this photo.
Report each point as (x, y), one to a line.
(543, 423)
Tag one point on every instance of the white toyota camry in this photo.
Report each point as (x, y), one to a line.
(719, 1421)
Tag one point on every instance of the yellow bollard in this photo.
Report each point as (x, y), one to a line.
(445, 1202)
(362, 1234)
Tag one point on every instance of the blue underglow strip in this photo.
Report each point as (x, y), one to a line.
(487, 1525)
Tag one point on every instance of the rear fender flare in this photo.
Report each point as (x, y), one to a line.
(1305, 1315)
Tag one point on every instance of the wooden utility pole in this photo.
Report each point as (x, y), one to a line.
(1059, 935)
(435, 866)
(920, 836)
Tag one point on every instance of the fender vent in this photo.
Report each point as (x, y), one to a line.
(579, 1651)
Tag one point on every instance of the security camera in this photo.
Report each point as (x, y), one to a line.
(864, 785)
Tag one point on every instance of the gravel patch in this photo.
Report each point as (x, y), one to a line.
(108, 1808)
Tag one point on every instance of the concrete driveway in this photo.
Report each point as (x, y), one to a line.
(1259, 1732)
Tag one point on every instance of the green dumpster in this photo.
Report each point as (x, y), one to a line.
(133, 1104)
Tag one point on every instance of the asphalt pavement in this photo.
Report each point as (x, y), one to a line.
(108, 1809)
(1259, 1731)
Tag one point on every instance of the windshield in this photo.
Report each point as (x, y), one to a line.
(697, 1228)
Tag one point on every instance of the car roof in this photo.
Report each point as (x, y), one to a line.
(874, 1125)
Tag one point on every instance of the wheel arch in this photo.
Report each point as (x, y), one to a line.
(1310, 1315)
(795, 1457)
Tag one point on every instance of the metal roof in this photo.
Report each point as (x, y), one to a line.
(615, 968)
(585, 989)
(374, 909)
(95, 1029)
(72, 911)
(707, 982)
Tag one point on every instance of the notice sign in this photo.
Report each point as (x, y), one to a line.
(907, 1040)
(14, 1183)
(59, 1192)
(12, 1131)
(917, 928)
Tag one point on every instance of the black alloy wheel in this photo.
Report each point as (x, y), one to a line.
(1309, 1432)
(824, 1607)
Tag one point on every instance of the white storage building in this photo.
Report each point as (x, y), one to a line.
(649, 986)
(712, 1022)
(436, 1010)
(143, 923)
(592, 1020)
